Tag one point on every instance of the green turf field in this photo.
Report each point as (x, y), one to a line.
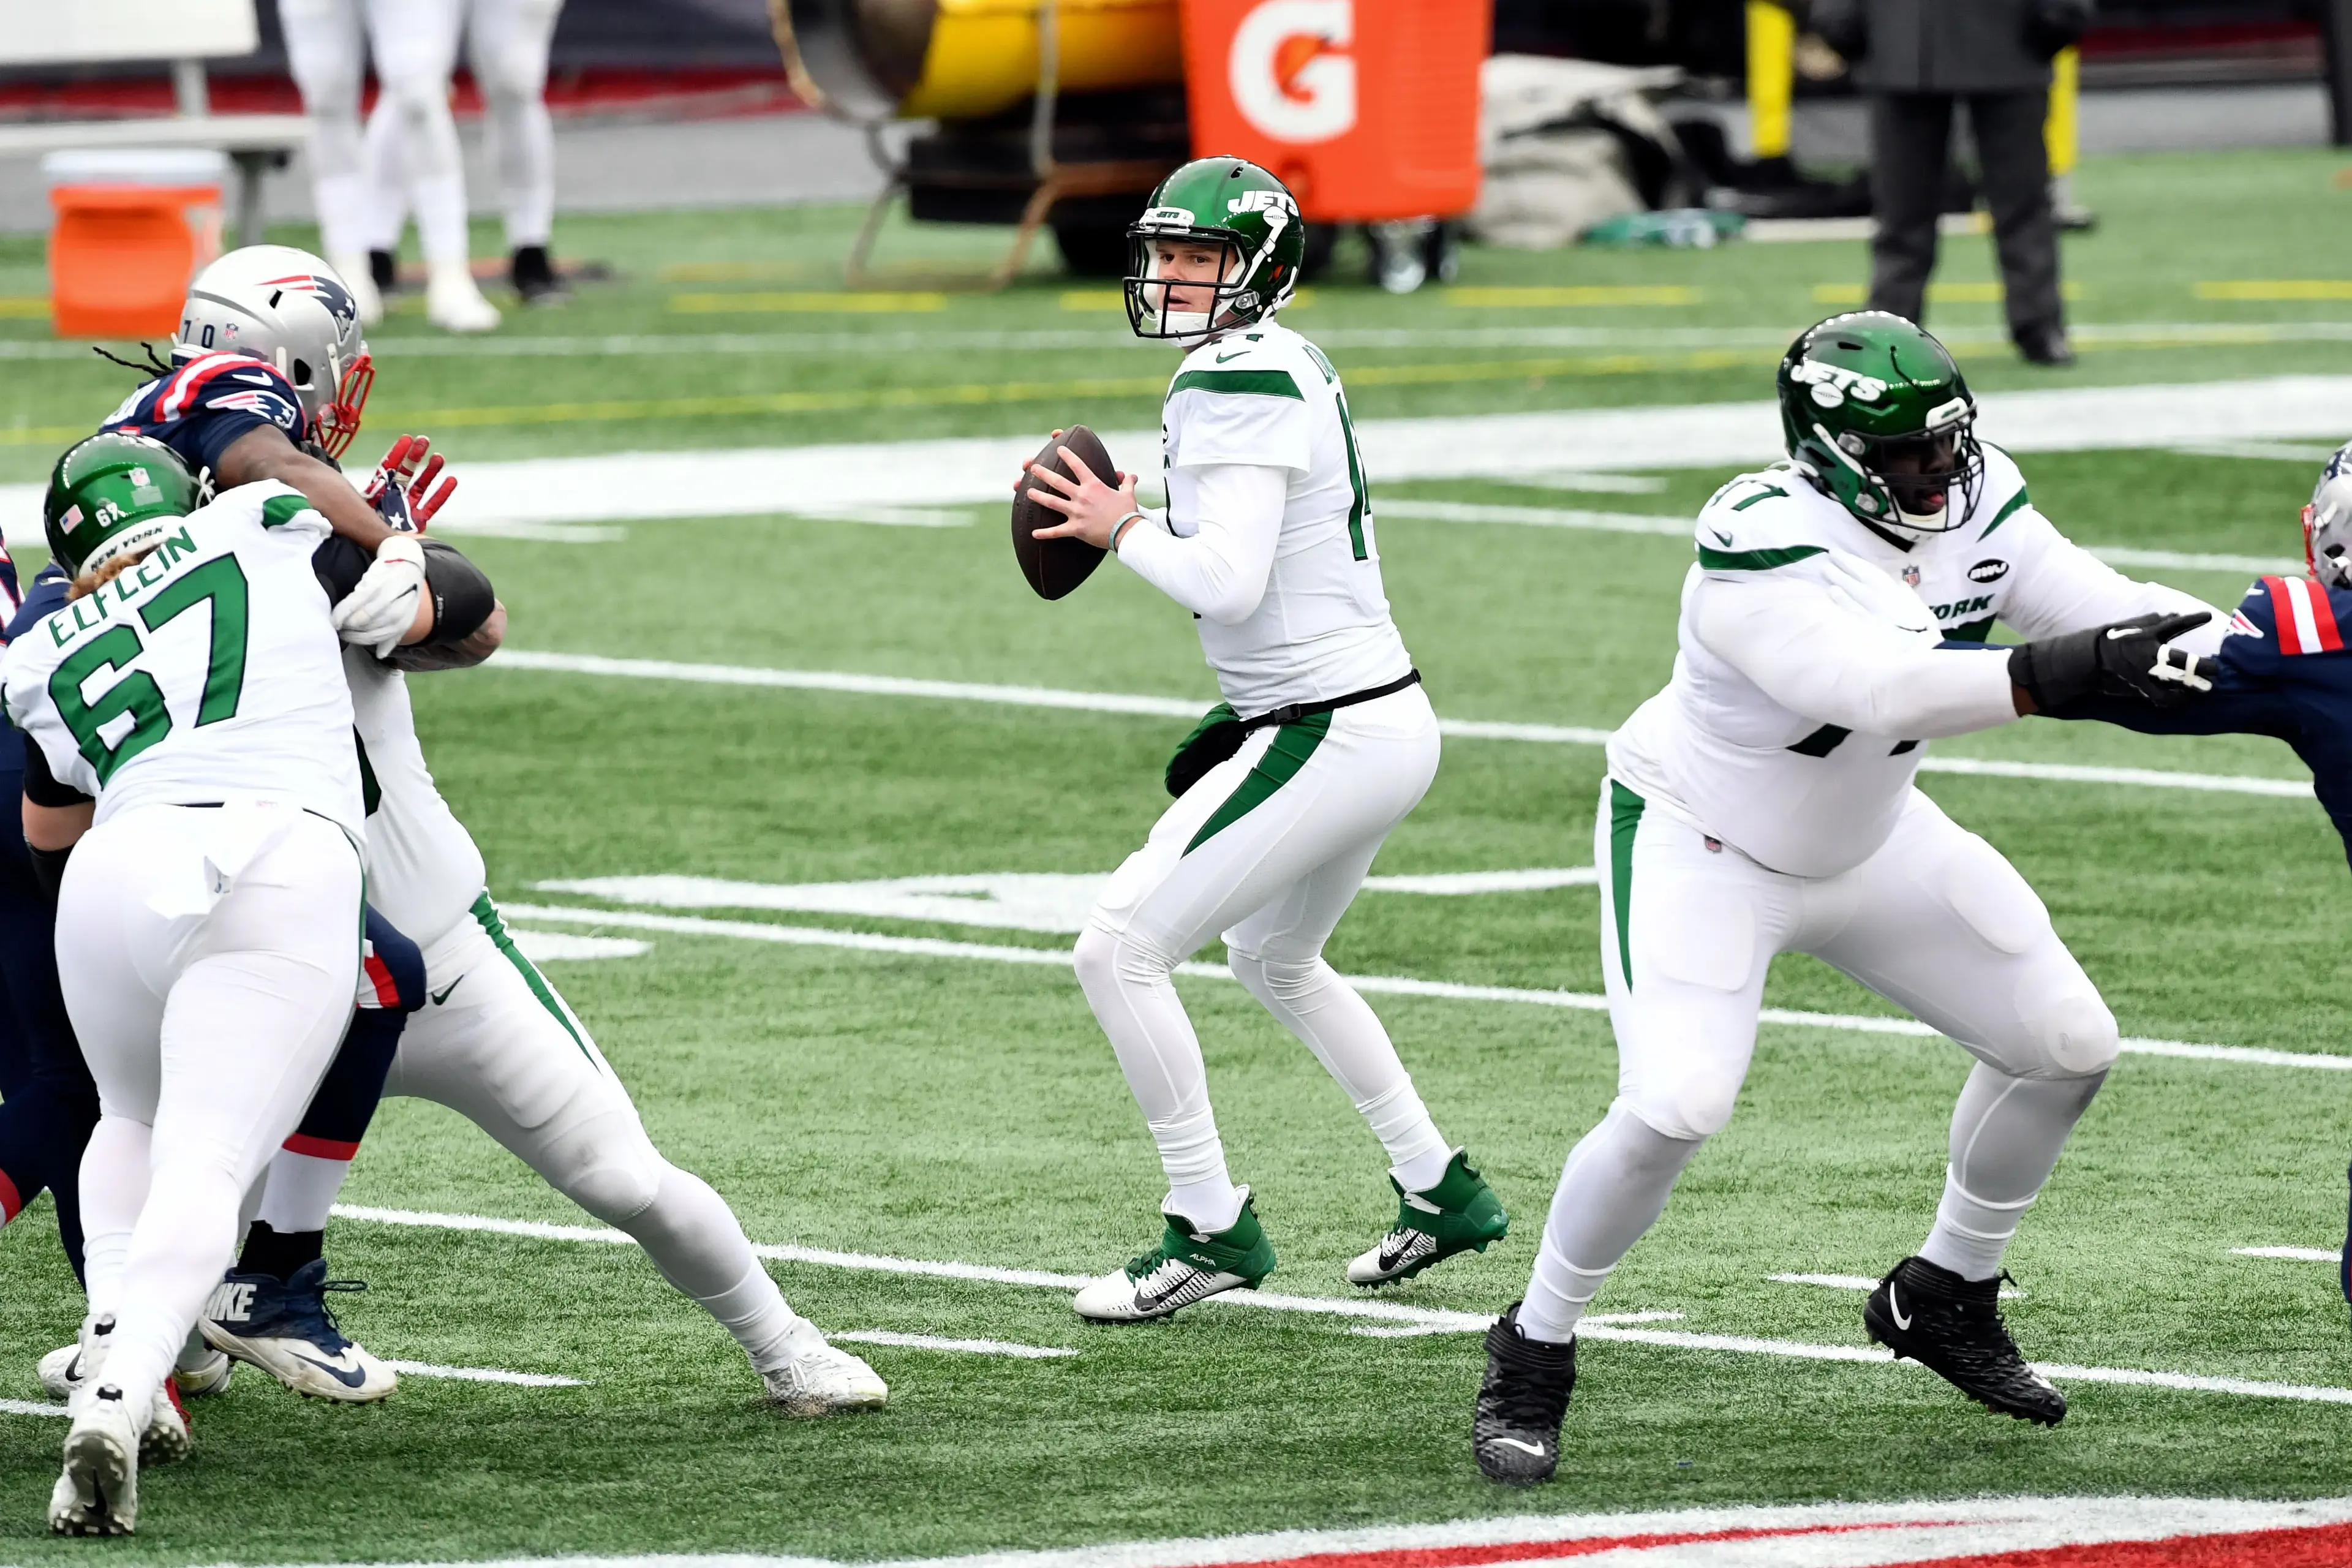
(956, 1108)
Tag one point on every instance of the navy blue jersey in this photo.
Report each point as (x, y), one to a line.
(206, 403)
(2283, 671)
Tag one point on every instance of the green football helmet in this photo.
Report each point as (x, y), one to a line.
(1877, 414)
(113, 494)
(1247, 216)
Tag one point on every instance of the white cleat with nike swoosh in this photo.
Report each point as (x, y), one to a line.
(283, 1327)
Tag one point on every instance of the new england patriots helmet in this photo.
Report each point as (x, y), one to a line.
(2327, 522)
(287, 307)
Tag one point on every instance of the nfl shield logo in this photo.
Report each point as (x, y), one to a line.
(1911, 576)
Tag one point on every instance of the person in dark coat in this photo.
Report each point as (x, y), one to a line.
(1918, 58)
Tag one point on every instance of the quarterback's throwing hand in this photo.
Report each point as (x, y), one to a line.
(2127, 658)
(1094, 510)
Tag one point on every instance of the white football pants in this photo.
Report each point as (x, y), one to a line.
(1936, 921)
(1269, 848)
(325, 49)
(207, 958)
(412, 141)
(497, 1045)
(506, 42)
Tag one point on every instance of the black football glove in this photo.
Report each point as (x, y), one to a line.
(2127, 658)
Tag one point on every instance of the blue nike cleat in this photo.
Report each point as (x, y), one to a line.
(284, 1328)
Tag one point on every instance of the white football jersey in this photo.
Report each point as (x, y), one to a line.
(1810, 799)
(1267, 396)
(424, 870)
(209, 671)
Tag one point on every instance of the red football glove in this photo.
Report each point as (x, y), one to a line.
(424, 490)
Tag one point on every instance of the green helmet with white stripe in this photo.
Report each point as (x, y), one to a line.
(1225, 225)
(112, 494)
(1877, 414)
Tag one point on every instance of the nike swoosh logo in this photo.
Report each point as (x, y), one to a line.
(442, 994)
(1223, 358)
(352, 1379)
(250, 379)
(1894, 1309)
(1720, 537)
(1535, 1448)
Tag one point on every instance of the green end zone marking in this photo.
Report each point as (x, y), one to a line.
(1264, 383)
(1625, 810)
(1292, 745)
(1754, 560)
(486, 914)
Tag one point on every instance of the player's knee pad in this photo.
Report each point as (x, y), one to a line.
(1275, 981)
(1688, 1106)
(2070, 1032)
(1107, 959)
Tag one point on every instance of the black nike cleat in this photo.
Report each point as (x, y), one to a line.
(532, 273)
(1952, 1327)
(1521, 1403)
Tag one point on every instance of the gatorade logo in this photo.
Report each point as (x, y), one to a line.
(1291, 77)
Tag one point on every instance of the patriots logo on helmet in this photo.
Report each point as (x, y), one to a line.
(331, 294)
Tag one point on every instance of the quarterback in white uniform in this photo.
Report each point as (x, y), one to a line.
(190, 750)
(1763, 803)
(1324, 743)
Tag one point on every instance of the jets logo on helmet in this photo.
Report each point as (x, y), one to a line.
(1218, 248)
(1877, 414)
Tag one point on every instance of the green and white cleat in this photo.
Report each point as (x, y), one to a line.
(1461, 1214)
(1185, 1268)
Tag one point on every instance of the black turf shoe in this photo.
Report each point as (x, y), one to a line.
(1952, 1327)
(533, 275)
(384, 270)
(1521, 1403)
(2045, 345)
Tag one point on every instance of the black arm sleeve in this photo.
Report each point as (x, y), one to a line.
(462, 597)
(41, 786)
(338, 565)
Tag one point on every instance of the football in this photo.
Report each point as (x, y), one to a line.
(1054, 567)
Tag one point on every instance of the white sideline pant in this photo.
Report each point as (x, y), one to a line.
(207, 959)
(506, 42)
(325, 49)
(412, 141)
(1299, 814)
(1937, 921)
(496, 1044)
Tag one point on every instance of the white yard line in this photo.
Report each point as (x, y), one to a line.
(1378, 984)
(484, 1375)
(1630, 1328)
(933, 1343)
(1192, 708)
(30, 1407)
(2291, 1254)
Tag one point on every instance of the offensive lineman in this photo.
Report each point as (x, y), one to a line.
(1324, 743)
(494, 1042)
(191, 787)
(1763, 803)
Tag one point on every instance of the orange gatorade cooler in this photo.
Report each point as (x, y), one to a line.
(1368, 110)
(132, 226)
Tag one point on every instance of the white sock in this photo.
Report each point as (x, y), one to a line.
(303, 1188)
(754, 1310)
(2007, 1135)
(1212, 1205)
(1611, 1190)
(1424, 1170)
(694, 1238)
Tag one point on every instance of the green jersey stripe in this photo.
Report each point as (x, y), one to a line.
(1264, 383)
(279, 510)
(1754, 560)
(1291, 746)
(2005, 513)
(486, 914)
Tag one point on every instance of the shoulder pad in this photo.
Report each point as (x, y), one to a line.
(2301, 613)
(1758, 522)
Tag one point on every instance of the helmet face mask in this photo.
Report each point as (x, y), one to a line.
(1219, 247)
(1876, 413)
(111, 495)
(2328, 524)
(290, 308)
